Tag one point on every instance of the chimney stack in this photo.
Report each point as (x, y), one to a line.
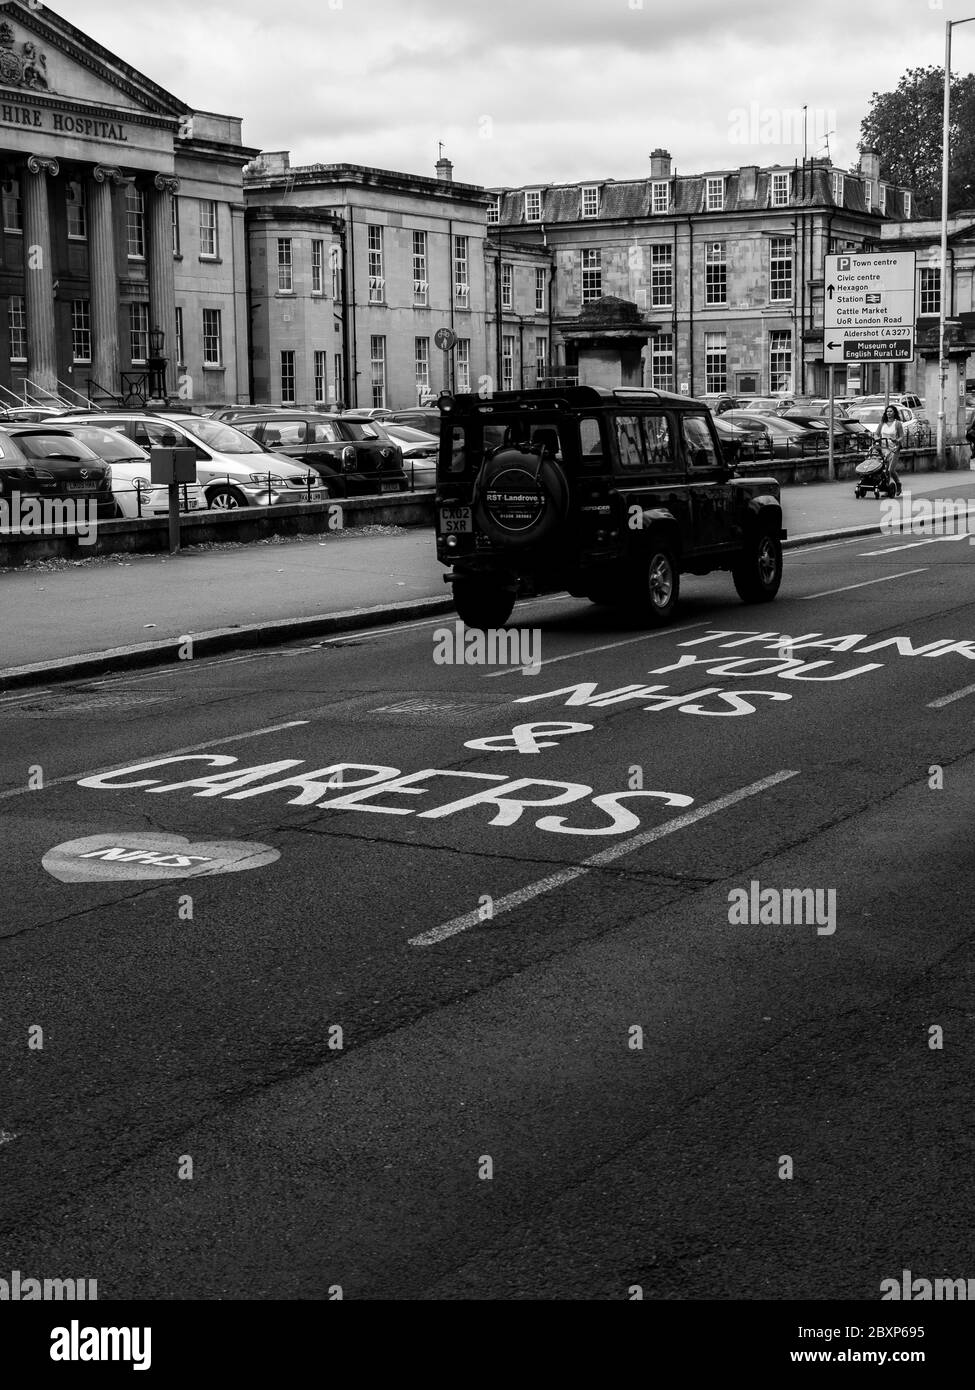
(870, 164)
(660, 164)
(445, 170)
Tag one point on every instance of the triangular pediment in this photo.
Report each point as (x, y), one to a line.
(41, 54)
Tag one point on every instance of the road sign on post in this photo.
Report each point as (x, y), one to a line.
(869, 313)
(172, 467)
(446, 339)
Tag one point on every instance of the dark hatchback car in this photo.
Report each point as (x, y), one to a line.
(42, 461)
(354, 457)
(610, 494)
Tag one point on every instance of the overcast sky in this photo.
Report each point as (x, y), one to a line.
(524, 91)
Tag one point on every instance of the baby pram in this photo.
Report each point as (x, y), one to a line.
(873, 474)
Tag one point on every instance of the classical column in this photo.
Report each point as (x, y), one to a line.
(42, 355)
(103, 277)
(162, 286)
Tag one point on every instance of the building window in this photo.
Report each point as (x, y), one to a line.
(212, 346)
(77, 210)
(780, 190)
(335, 262)
(135, 223)
(907, 204)
(780, 268)
(462, 279)
(377, 281)
(421, 285)
(838, 183)
(494, 211)
(13, 209)
(507, 362)
(930, 290)
(138, 332)
(80, 330)
(177, 245)
(180, 350)
(715, 273)
(883, 198)
(661, 276)
(592, 275)
(539, 289)
(868, 195)
(421, 361)
(321, 383)
(377, 368)
(590, 200)
(337, 377)
(209, 244)
(533, 206)
(17, 323)
(318, 267)
(660, 196)
(463, 364)
(662, 361)
(780, 360)
(507, 285)
(541, 359)
(288, 376)
(286, 282)
(715, 195)
(715, 362)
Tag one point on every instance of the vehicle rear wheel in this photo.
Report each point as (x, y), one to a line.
(224, 499)
(655, 588)
(482, 604)
(758, 573)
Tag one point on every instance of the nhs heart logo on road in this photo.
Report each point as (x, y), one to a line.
(123, 857)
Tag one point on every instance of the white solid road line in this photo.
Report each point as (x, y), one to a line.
(596, 861)
(173, 753)
(589, 651)
(950, 699)
(882, 580)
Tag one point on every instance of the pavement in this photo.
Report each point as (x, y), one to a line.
(64, 619)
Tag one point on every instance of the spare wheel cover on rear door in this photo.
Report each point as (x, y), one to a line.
(520, 497)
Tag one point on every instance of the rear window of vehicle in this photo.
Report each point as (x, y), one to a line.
(285, 433)
(40, 446)
(359, 429)
(325, 432)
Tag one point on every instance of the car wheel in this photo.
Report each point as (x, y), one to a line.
(652, 596)
(225, 499)
(482, 604)
(758, 573)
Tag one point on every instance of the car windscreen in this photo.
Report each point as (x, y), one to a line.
(224, 438)
(43, 446)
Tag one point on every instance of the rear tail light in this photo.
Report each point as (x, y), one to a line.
(348, 458)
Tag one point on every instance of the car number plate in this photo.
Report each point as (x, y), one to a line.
(80, 487)
(455, 519)
(389, 487)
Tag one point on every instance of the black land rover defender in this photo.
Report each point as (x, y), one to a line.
(610, 494)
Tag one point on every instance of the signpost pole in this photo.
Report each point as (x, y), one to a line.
(831, 473)
(173, 518)
(887, 388)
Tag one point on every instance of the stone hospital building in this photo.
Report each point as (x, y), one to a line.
(123, 225)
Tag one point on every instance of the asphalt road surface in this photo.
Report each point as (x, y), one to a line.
(655, 973)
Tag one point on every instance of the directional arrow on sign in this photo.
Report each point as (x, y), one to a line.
(831, 290)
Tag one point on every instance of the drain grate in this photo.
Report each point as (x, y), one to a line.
(79, 702)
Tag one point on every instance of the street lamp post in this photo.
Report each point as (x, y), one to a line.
(942, 361)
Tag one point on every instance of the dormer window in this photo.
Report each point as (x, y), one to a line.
(590, 200)
(660, 196)
(533, 206)
(780, 190)
(715, 195)
(494, 211)
(868, 195)
(883, 198)
(838, 189)
(907, 204)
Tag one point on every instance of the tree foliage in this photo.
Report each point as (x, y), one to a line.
(904, 126)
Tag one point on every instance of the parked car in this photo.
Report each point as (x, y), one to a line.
(233, 470)
(29, 414)
(554, 507)
(421, 419)
(375, 412)
(718, 404)
(353, 455)
(765, 405)
(871, 415)
(41, 461)
(907, 398)
(135, 493)
(786, 438)
(229, 414)
(738, 445)
(847, 433)
(419, 451)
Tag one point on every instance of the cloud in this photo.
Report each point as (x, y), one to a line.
(525, 91)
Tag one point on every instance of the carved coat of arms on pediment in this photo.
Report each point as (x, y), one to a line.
(26, 67)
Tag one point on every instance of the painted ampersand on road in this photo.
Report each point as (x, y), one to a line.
(523, 737)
